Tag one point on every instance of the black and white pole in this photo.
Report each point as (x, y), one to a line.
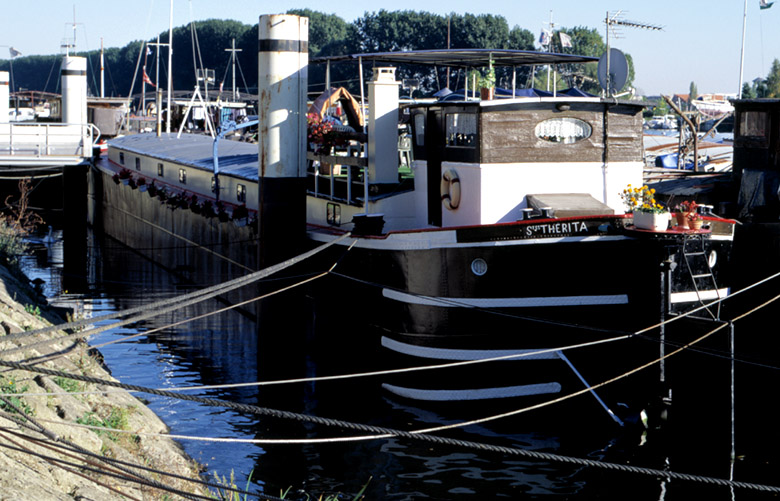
(283, 59)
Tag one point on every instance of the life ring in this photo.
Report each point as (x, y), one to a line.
(450, 189)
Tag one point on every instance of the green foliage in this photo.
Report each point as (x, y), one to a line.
(328, 35)
(12, 244)
(693, 92)
(8, 385)
(117, 420)
(228, 495)
(661, 108)
(33, 309)
(773, 80)
(67, 384)
(332, 497)
(748, 91)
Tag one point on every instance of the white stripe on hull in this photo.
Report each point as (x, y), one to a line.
(454, 354)
(447, 239)
(693, 296)
(505, 302)
(474, 394)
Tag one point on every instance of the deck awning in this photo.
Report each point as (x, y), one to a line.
(470, 58)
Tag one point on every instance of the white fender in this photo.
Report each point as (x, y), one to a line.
(450, 189)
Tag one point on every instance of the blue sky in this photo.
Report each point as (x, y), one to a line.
(700, 41)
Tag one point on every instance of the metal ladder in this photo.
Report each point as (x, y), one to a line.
(693, 253)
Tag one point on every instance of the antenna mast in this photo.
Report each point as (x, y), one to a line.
(233, 61)
(612, 23)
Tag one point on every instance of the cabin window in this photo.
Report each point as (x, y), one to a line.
(213, 184)
(122, 157)
(564, 130)
(241, 193)
(419, 129)
(183, 176)
(160, 170)
(137, 163)
(753, 124)
(334, 214)
(461, 129)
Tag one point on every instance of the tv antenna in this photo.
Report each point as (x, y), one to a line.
(611, 79)
(70, 43)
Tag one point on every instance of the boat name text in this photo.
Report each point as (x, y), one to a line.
(556, 228)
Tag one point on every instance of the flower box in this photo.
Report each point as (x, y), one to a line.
(651, 220)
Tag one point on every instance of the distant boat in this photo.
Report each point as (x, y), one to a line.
(713, 108)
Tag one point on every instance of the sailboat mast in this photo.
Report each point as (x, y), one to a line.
(742, 55)
(102, 68)
(170, 69)
(233, 51)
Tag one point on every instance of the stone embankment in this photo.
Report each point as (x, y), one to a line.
(56, 445)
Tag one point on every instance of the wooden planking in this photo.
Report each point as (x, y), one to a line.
(507, 135)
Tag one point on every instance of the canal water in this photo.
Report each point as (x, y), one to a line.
(223, 349)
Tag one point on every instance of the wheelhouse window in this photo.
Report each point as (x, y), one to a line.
(160, 170)
(753, 124)
(183, 176)
(122, 157)
(137, 163)
(241, 193)
(461, 129)
(419, 129)
(565, 130)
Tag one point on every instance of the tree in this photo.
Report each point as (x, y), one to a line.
(773, 80)
(693, 93)
(748, 91)
(661, 107)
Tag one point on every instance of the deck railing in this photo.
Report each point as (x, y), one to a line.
(326, 180)
(47, 139)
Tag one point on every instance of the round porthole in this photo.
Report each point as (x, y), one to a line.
(479, 267)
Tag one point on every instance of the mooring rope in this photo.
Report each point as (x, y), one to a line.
(382, 432)
(64, 445)
(385, 432)
(159, 307)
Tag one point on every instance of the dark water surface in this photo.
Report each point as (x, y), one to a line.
(223, 349)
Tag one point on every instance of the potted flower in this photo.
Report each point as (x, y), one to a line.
(323, 134)
(240, 215)
(683, 210)
(647, 212)
(124, 176)
(141, 184)
(487, 83)
(694, 220)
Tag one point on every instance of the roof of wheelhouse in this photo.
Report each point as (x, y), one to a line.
(471, 58)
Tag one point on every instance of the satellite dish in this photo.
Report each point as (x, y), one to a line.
(618, 71)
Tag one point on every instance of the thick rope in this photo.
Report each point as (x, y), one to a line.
(382, 432)
(159, 307)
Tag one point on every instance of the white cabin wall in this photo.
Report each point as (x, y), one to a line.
(509, 184)
(198, 181)
(4, 105)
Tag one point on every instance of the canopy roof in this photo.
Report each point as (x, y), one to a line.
(471, 58)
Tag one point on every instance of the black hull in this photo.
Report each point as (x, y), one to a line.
(538, 298)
